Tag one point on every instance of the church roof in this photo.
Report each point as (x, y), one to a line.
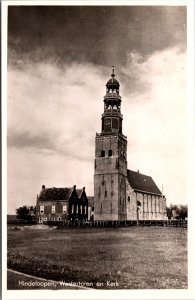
(48, 194)
(141, 182)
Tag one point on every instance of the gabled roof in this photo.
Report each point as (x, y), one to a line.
(141, 182)
(48, 194)
(79, 192)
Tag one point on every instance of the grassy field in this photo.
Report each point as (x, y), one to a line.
(133, 258)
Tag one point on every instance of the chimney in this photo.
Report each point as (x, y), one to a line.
(74, 187)
(43, 187)
(84, 189)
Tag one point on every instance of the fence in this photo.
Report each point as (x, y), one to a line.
(166, 223)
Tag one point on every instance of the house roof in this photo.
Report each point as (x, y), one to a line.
(141, 182)
(48, 194)
(79, 192)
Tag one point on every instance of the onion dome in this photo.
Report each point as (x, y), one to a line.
(112, 83)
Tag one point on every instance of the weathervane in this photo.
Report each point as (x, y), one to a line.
(113, 68)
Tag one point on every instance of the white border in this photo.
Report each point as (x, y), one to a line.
(99, 2)
(102, 294)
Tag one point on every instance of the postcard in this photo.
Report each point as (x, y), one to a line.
(97, 144)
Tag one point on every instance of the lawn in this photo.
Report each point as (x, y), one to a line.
(132, 258)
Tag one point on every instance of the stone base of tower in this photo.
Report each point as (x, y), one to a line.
(109, 217)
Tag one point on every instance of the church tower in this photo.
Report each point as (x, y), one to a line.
(110, 159)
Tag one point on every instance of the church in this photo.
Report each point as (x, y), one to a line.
(120, 194)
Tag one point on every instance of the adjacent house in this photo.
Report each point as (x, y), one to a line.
(60, 204)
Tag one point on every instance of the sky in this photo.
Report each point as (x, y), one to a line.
(59, 60)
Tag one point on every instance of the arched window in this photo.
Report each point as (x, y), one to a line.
(103, 153)
(110, 152)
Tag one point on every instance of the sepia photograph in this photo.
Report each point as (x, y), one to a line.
(96, 138)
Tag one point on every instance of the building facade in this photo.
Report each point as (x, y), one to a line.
(60, 204)
(120, 194)
(144, 199)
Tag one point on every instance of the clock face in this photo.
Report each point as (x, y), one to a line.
(107, 124)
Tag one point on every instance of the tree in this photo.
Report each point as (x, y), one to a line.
(183, 212)
(169, 212)
(177, 211)
(25, 213)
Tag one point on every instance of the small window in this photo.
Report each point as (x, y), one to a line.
(92, 209)
(64, 209)
(110, 152)
(53, 209)
(41, 209)
(105, 193)
(102, 153)
(59, 219)
(73, 209)
(128, 198)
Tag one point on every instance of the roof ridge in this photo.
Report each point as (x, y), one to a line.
(139, 173)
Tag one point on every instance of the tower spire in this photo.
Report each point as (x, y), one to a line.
(113, 69)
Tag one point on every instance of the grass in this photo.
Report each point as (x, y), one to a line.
(134, 257)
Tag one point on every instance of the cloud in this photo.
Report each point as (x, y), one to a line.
(23, 140)
(157, 124)
(51, 106)
(54, 113)
(107, 33)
